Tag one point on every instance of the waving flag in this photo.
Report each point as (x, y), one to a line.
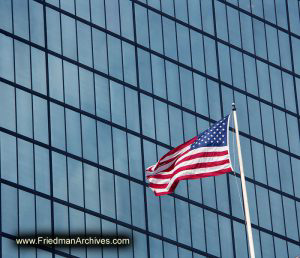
(204, 155)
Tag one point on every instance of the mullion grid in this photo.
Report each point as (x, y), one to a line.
(127, 177)
(177, 62)
(128, 131)
(157, 97)
(168, 59)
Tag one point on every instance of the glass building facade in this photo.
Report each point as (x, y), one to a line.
(94, 91)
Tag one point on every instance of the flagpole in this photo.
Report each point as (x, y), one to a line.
(245, 198)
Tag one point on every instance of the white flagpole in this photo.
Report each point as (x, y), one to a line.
(245, 198)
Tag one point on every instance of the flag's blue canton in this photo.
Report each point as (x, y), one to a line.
(213, 136)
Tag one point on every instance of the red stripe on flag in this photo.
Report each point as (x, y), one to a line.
(196, 176)
(189, 167)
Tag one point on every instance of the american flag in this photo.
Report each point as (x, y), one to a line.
(202, 156)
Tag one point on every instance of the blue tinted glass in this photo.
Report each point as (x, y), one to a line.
(132, 110)
(272, 43)
(263, 80)
(281, 13)
(277, 213)
(226, 240)
(154, 218)
(42, 170)
(117, 103)
(9, 214)
(234, 26)
(25, 164)
(247, 32)
(40, 118)
(183, 223)
(107, 194)
(176, 129)
(259, 162)
(89, 140)
(194, 13)
(201, 94)
(214, 100)
(161, 121)
(83, 9)
(224, 63)
(97, 12)
(212, 233)
(120, 151)
(6, 61)
(158, 76)
(272, 167)
(22, 64)
(255, 119)
(241, 247)
(293, 132)
(75, 180)
(285, 173)
(6, 15)
(168, 217)
(250, 74)
(257, 7)
(170, 46)
(280, 247)
(155, 31)
(259, 38)
(91, 188)
(59, 166)
(147, 116)
(26, 213)
(84, 44)
(114, 57)
(137, 205)
(87, 98)
(122, 199)
(69, 45)
(135, 157)
(141, 23)
(156, 250)
(221, 21)
(24, 113)
(36, 23)
(55, 77)
(187, 91)
(57, 126)
(38, 66)
(43, 215)
(210, 57)
(197, 51)
(112, 15)
(181, 10)
(294, 19)
(280, 128)
(99, 50)
(53, 30)
(126, 19)
(105, 145)
(267, 241)
(207, 16)
(290, 218)
(20, 12)
(183, 39)
(144, 70)
(102, 97)
(173, 88)
(189, 125)
(129, 64)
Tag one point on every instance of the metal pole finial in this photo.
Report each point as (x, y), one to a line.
(233, 106)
